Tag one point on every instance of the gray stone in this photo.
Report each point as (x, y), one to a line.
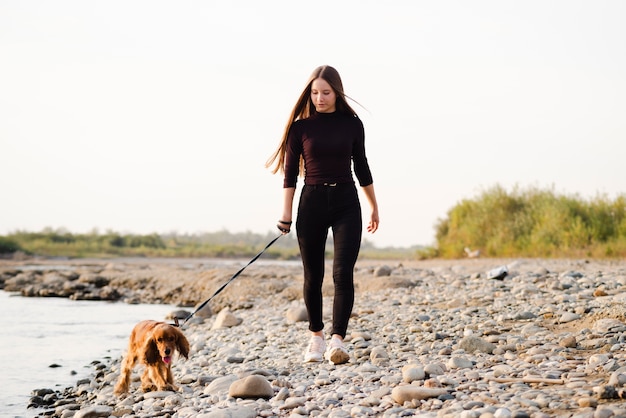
(225, 319)
(94, 412)
(472, 344)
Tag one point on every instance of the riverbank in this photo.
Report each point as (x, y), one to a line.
(52, 343)
(432, 338)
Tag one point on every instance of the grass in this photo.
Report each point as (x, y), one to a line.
(220, 244)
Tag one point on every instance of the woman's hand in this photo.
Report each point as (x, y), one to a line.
(284, 227)
(372, 226)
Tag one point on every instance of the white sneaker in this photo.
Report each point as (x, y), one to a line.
(315, 350)
(336, 352)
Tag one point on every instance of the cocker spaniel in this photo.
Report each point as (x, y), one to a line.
(153, 344)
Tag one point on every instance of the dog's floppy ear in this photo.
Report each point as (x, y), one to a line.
(151, 352)
(182, 345)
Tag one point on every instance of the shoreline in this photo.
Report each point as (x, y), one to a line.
(551, 328)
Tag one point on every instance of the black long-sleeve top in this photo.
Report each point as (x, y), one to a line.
(329, 143)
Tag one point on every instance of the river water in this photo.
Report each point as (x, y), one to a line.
(39, 332)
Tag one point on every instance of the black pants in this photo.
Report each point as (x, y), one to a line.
(321, 208)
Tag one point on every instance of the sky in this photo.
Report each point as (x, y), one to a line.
(158, 116)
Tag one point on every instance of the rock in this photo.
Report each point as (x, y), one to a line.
(569, 317)
(498, 273)
(598, 359)
(379, 356)
(220, 385)
(472, 344)
(18, 282)
(297, 314)
(253, 386)
(587, 402)
(412, 372)
(382, 271)
(93, 279)
(434, 369)
(409, 393)
(232, 412)
(618, 378)
(225, 319)
(94, 412)
(568, 342)
(457, 362)
(599, 293)
(182, 314)
(606, 325)
(204, 313)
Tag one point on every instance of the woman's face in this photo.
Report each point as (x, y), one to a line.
(323, 96)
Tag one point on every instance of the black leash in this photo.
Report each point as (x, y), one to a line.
(230, 280)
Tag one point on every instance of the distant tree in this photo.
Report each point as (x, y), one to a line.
(8, 246)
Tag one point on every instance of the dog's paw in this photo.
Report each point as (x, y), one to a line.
(148, 388)
(120, 389)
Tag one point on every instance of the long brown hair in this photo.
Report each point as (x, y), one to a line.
(305, 108)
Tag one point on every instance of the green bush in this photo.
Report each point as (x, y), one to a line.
(8, 246)
(534, 223)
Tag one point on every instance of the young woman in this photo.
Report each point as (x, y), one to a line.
(324, 140)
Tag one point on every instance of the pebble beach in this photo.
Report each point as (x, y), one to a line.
(433, 338)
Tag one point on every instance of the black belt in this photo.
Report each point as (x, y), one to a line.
(328, 185)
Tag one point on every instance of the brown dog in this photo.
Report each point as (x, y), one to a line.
(152, 343)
